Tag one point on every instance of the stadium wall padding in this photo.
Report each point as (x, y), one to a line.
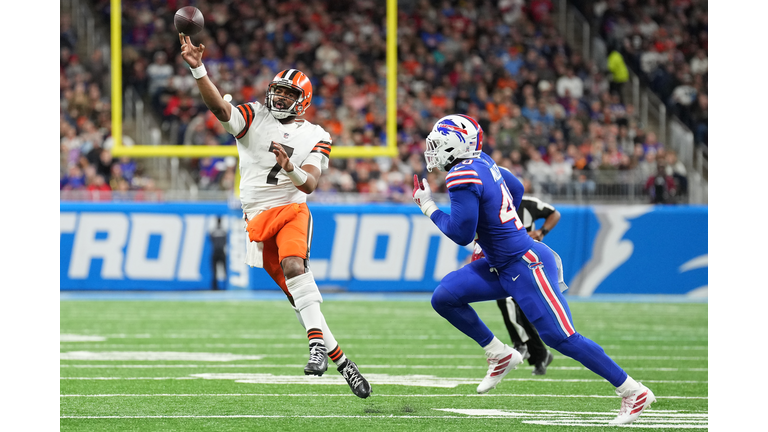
(375, 248)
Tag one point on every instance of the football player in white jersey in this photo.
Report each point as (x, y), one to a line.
(281, 159)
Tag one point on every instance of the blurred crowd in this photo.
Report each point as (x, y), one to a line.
(666, 43)
(87, 168)
(555, 119)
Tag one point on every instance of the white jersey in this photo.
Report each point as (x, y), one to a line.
(263, 183)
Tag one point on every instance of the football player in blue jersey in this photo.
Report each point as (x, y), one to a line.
(483, 209)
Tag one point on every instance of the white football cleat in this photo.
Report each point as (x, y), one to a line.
(634, 405)
(498, 367)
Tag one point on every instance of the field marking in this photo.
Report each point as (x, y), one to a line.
(116, 355)
(379, 379)
(402, 336)
(295, 366)
(66, 337)
(649, 413)
(154, 356)
(302, 395)
(636, 425)
(650, 419)
(76, 340)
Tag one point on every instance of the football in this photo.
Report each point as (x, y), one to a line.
(188, 20)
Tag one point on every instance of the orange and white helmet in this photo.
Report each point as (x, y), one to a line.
(295, 80)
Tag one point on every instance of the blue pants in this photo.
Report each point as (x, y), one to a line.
(532, 281)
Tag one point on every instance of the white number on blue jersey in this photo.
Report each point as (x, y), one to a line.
(507, 212)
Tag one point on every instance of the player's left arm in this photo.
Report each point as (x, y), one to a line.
(305, 178)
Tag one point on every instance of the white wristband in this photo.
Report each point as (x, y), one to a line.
(298, 176)
(429, 208)
(199, 72)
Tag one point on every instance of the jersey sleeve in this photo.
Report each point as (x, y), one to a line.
(240, 120)
(321, 152)
(461, 224)
(514, 185)
(464, 179)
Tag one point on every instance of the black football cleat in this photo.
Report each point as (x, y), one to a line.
(541, 368)
(318, 360)
(355, 379)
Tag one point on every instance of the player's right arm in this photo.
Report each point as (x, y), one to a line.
(193, 55)
(461, 224)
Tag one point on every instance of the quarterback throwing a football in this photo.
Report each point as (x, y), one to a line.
(281, 159)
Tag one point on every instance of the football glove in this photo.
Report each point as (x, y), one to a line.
(422, 195)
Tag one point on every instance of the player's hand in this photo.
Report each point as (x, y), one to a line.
(536, 235)
(191, 54)
(282, 157)
(422, 195)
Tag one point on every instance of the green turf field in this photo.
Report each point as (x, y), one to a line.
(238, 365)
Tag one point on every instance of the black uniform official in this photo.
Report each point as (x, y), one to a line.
(219, 242)
(523, 334)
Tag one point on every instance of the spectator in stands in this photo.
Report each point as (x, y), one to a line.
(562, 171)
(159, 74)
(570, 85)
(619, 72)
(647, 163)
(539, 172)
(677, 171)
(74, 179)
(699, 64)
(660, 186)
(651, 143)
(700, 119)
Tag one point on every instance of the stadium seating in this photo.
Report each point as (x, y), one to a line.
(502, 62)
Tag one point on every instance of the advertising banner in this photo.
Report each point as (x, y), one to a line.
(374, 248)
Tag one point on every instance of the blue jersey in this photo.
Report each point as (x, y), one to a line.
(482, 203)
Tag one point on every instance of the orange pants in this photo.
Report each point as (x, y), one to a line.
(285, 232)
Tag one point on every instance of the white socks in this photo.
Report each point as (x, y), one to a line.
(496, 347)
(629, 387)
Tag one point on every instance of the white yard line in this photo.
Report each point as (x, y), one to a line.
(547, 380)
(420, 345)
(95, 354)
(400, 366)
(666, 419)
(401, 336)
(499, 395)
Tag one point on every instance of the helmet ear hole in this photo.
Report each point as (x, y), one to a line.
(449, 149)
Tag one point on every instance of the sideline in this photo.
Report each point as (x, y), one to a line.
(259, 295)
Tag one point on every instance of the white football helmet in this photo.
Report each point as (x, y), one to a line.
(453, 137)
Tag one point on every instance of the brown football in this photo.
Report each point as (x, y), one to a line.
(188, 20)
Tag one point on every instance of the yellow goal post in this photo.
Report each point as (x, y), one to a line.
(186, 151)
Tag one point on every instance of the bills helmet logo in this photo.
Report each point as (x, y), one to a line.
(448, 126)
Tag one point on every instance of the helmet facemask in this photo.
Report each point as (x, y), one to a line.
(439, 153)
(291, 107)
(452, 138)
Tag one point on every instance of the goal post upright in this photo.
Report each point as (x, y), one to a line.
(142, 150)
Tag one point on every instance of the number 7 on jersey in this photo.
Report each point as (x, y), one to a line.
(272, 176)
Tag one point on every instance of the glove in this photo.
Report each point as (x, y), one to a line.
(477, 253)
(422, 195)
